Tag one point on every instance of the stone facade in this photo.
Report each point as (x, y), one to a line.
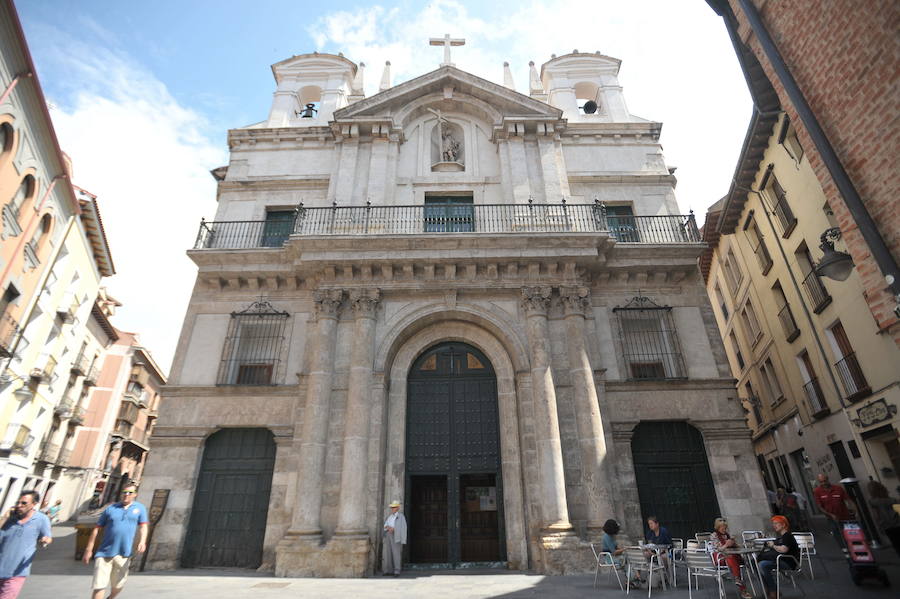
(398, 247)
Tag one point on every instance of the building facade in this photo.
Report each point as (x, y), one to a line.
(798, 47)
(819, 384)
(811, 174)
(480, 302)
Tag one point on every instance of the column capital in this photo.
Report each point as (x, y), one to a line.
(575, 300)
(364, 302)
(536, 300)
(328, 302)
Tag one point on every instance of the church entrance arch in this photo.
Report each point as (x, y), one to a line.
(231, 501)
(673, 478)
(453, 476)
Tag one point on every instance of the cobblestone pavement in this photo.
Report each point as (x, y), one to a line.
(57, 576)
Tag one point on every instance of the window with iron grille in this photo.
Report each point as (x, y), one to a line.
(781, 208)
(649, 340)
(253, 346)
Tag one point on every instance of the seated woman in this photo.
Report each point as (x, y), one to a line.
(659, 536)
(721, 539)
(783, 545)
(608, 544)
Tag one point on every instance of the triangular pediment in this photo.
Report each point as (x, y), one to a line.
(450, 81)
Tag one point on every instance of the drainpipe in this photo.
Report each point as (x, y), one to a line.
(12, 85)
(854, 203)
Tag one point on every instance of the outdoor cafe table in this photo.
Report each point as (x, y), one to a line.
(751, 563)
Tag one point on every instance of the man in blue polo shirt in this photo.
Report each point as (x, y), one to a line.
(119, 523)
(24, 528)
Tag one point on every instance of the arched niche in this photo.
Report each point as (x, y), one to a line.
(448, 146)
(587, 91)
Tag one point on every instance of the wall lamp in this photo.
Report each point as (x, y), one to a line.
(834, 264)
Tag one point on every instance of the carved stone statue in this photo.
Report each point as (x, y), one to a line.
(450, 147)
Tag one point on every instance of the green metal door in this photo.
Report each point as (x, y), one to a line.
(231, 503)
(673, 478)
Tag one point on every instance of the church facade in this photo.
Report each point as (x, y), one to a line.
(479, 302)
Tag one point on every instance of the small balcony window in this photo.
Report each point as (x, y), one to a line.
(781, 207)
(451, 214)
(253, 345)
(649, 340)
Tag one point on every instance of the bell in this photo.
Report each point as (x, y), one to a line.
(308, 111)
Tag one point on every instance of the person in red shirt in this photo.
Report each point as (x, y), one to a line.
(832, 500)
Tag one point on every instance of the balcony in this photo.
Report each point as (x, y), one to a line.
(65, 408)
(18, 439)
(852, 377)
(788, 323)
(65, 457)
(49, 453)
(43, 371)
(78, 415)
(763, 257)
(9, 328)
(90, 377)
(817, 405)
(816, 292)
(67, 308)
(80, 365)
(452, 219)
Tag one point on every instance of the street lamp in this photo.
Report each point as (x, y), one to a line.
(834, 264)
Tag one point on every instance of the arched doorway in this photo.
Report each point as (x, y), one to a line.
(231, 501)
(453, 479)
(673, 478)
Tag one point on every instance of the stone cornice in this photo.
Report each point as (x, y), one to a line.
(247, 391)
(250, 137)
(673, 385)
(638, 178)
(312, 182)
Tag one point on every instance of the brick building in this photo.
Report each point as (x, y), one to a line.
(833, 66)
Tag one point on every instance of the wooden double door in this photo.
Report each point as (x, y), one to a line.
(454, 495)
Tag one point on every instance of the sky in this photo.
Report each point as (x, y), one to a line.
(142, 95)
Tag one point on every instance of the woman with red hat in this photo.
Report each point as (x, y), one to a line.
(784, 545)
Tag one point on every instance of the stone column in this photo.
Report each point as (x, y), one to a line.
(305, 520)
(596, 466)
(555, 512)
(351, 518)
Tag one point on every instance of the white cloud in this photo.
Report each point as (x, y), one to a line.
(147, 157)
(678, 65)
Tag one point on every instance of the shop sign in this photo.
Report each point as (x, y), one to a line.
(876, 411)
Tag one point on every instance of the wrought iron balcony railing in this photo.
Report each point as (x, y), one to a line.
(816, 292)
(65, 457)
(788, 323)
(814, 396)
(852, 377)
(78, 415)
(453, 218)
(9, 328)
(50, 452)
(90, 377)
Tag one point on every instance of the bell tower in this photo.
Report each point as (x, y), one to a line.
(310, 88)
(573, 81)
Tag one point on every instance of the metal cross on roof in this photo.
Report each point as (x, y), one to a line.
(446, 42)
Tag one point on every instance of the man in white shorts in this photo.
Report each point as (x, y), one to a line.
(119, 522)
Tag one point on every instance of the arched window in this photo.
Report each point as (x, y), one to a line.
(24, 193)
(6, 139)
(587, 92)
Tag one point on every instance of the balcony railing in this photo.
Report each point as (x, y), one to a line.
(64, 408)
(80, 365)
(455, 218)
(816, 292)
(18, 439)
(90, 377)
(788, 323)
(763, 257)
(9, 328)
(50, 452)
(65, 456)
(814, 396)
(78, 415)
(852, 377)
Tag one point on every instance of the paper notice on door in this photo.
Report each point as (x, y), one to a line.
(489, 499)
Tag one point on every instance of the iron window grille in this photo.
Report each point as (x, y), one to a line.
(253, 346)
(649, 340)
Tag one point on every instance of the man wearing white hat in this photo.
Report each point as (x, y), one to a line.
(394, 539)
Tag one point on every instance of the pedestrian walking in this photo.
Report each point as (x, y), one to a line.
(119, 522)
(23, 530)
(832, 500)
(394, 536)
